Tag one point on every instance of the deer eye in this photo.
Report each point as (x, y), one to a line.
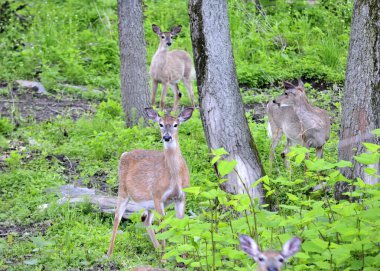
(162, 36)
(286, 93)
(261, 259)
(175, 125)
(281, 260)
(161, 125)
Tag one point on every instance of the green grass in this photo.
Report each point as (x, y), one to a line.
(75, 42)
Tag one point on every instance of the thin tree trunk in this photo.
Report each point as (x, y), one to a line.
(221, 104)
(133, 73)
(361, 102)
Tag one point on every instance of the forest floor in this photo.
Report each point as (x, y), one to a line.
(28, 107)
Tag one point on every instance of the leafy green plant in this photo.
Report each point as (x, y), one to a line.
(208, 241)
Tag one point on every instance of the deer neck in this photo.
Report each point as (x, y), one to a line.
(162, 51)
(173, 160)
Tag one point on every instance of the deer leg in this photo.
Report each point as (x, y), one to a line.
(176, 96)
(154, 91)
(147, 218)
(163, 95)
(189, 87)
(159, 206)
(179, 206)
(120, 209)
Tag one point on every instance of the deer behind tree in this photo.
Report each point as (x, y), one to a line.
(302, 123)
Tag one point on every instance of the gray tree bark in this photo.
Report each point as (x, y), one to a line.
(361, 101)
(133, 73)
(221, 105)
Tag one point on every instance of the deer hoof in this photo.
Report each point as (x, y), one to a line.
(179, 94)
(283, 155)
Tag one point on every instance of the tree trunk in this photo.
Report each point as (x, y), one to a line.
(361, 102)
(221, 105)
(133, 73)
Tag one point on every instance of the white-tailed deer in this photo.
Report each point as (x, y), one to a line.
(302, 123)
(170, 67)
(154, 179)
(269, 260)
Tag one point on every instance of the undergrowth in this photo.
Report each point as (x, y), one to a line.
(76, 42)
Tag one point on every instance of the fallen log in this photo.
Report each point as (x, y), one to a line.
(75, 194)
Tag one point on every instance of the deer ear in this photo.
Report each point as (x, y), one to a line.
(176, 29)
(291, 247)
(152, 114)
(185, 114)
(300, 84)
(249, 246)
(156, 29)
(288, 85)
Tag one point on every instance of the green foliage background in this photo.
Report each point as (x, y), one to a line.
(75, 42)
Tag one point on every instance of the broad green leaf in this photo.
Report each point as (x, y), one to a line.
(225, 167)
(264, 179)
(318, 165)
(376, 132)
(370, 171)
(292, 197)
(315, 245)
(343, 163)
(192, 190)
(299, 158)
(323, 265)
(215, 159)
(371, 147)
(367, 158)
(195, 264)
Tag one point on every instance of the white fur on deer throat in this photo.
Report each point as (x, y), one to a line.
(284, 105)
(170, 145)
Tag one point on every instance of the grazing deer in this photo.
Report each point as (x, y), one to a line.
(154, 179)
(302, 123)
(269, 260)
(170, 67)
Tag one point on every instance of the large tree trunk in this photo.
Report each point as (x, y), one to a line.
(361, 102)
(221, 104)
(133, 73)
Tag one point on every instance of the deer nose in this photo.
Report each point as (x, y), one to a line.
(167, 138)
(169, 43)
(274, 101)
(272, 269)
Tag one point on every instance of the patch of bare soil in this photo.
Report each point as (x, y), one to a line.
(22, 231)
(111, 266)
(30, 104)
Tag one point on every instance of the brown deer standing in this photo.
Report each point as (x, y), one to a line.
(170, 67)
(154, 179)
(302, 123)
(269, 260)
